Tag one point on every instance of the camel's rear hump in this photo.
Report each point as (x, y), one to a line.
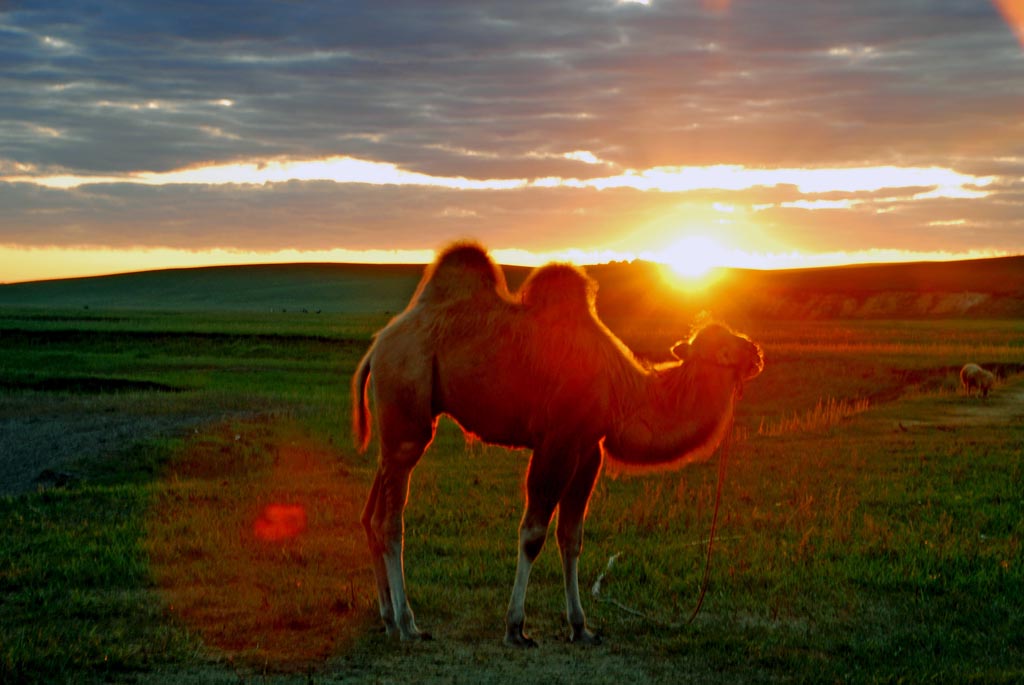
(562, 288)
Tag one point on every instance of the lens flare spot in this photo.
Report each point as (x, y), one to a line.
(1013, 14)
(280, 522)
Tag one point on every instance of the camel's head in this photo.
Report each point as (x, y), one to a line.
(716, 344)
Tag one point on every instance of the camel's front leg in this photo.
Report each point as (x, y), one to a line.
(532, 532)
(545, 481)
(572, 511)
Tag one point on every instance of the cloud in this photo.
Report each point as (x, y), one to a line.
(490, 93)
(312, 214)
(505, 80)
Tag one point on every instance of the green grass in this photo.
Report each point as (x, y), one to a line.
(74, 582)
(869, 536)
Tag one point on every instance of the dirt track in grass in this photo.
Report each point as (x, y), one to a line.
(41, 436)
(1005, 404)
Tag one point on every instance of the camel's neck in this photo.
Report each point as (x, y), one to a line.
(678, 416)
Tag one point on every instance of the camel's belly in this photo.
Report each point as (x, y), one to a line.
(492, 424)
(516, 416)
(504, 395)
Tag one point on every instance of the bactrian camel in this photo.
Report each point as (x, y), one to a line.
(538, 370)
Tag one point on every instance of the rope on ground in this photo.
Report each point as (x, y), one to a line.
(595, 591)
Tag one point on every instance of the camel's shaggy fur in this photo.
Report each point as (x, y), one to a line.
(536, 369)
(973, 376)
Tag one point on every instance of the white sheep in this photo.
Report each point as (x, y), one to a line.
(973, 376)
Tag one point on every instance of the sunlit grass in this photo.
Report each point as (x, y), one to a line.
(825, 414)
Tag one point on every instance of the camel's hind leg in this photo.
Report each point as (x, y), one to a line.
(386, 533)
(387, 613)
(572, 510)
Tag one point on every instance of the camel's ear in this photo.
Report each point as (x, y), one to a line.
(681, 350)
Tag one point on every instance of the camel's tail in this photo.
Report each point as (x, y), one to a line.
(361, 404)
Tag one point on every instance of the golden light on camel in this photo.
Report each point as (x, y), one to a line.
(536, 369)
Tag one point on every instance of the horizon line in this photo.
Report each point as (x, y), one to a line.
(790, 261)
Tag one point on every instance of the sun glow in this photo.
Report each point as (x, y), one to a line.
(692, 261)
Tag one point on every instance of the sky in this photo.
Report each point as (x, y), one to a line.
(757, 133)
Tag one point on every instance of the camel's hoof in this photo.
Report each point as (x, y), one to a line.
(584, 636)
(417, 636)
(514, 637)
(520, 642)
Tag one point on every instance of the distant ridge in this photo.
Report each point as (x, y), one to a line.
(991, 288)
(350, 288)
(995, 274)
(978, 288)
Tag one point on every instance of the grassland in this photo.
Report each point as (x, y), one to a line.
(870, 531)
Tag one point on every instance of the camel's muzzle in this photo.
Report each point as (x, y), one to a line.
(755, 363)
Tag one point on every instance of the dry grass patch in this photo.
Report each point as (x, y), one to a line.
(825, 414)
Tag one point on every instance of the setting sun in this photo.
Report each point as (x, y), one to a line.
(692, 258)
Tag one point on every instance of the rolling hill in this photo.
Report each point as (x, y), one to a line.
(988, 288)
(350, 288)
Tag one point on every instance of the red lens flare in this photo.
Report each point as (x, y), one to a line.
(272, 572)
(280, 522)
(1013, 14)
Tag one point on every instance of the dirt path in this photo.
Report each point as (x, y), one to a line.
(41, 437)
(1004, 405)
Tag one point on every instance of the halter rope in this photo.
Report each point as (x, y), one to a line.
(723, 457)
(595, 590)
